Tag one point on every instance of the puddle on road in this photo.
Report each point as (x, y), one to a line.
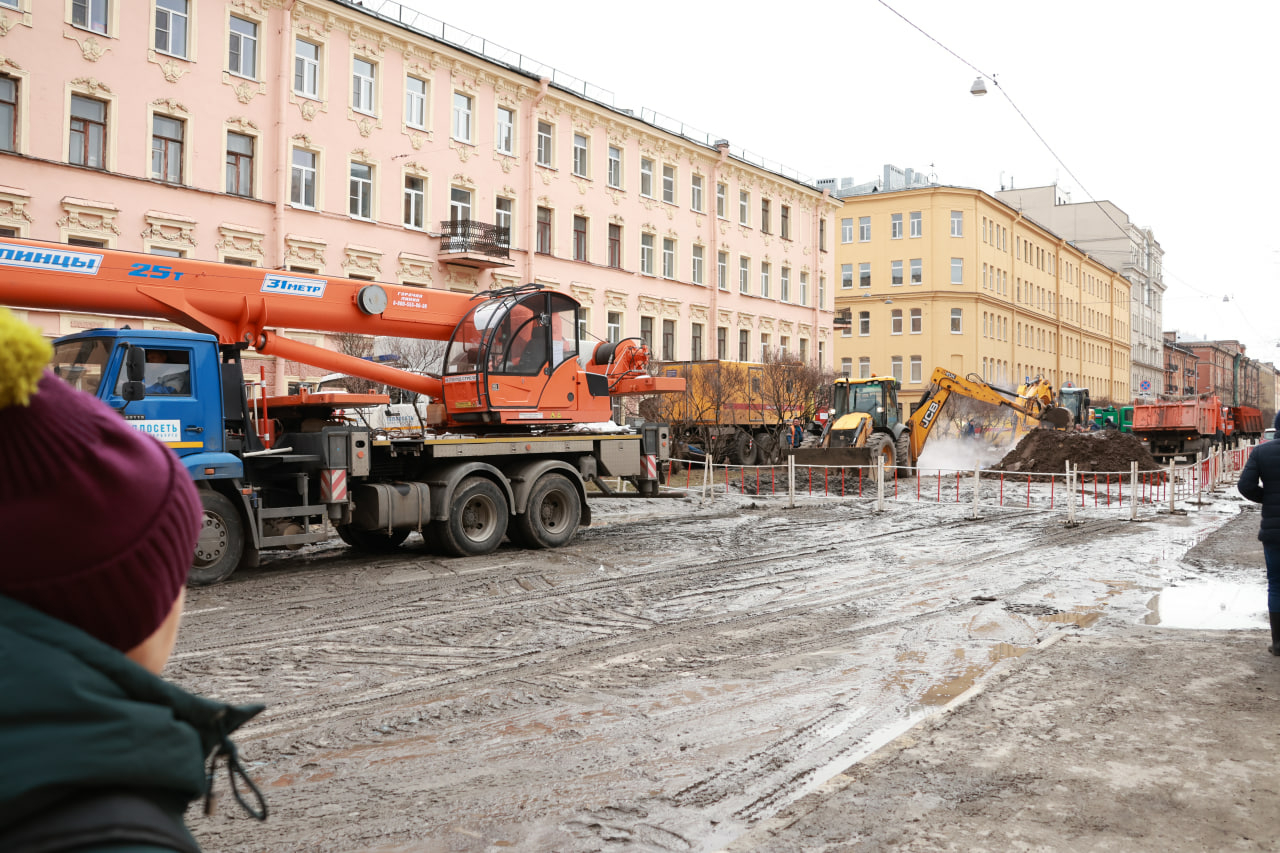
(1210, 605)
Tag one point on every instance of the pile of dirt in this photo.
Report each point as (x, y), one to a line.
(1046, 451)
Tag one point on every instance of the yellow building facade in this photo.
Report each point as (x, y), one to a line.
(951, 277)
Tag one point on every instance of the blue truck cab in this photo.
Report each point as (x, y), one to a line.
(183, 404)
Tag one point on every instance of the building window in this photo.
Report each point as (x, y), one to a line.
(90, 14)
(646, 332)
(784, 284)
(415, 201)
(668, 340)
(895, 321)
(584, 324)
(242, 52)
(669, 184)
(916, 369)
(744, 274)
(765, 270)
(785, 224)
(895, 226)
(171, 27)
(744, 344)
(646, 254)
(302, 179)
(917, 321)
(545, 139)
(722, 192)
(8, 114)
(166, 149)
(864, 323)
(695, 341)
(504, 136)
(917, 225)
(615, 167)
(306, 68)
(895, 368)
(695, 193)
(804, 288)
(846, 230)
(822, 235)
(360, 196)
(864, 229)
(502, 217)
(613, 331)
(766, 217)
(895, 273)
(722, 343)
(543, 245)
(696, 267)
(459, 204)
(957, 270)
(239, 164)
(822, 291)
(579, 238)
(846, 276)
(744, 207)
(864, 367)
(580, 155)
(917, 271)
(615, 246)
(957, 321)
(957, 223)
(88, 132)
(646, 177)
(722, 270)
(461, 117)
(415, 106)
(846, 367)
(864, 274)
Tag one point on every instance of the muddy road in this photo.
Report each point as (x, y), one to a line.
(679, 673)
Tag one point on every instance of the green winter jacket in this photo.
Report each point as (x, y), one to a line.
(76, 715)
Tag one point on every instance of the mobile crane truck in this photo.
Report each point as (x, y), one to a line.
(508, 456)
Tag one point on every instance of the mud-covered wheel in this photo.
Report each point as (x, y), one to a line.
(766, 449)
(221, 542)
(552, 516)
(881, 445)
(902, 450)
(743, 449)
(478, 516)
(372, 541)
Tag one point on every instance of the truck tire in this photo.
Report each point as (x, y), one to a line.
(742, 448)
(767, 449)
(372, 541)
(552, 516)
(221, 542)
(882, 445)
(902, 451)
(478, 516)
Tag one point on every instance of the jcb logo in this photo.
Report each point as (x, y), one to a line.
(929, 414)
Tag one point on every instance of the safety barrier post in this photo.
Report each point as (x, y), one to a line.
(976, 487)
(1071, 504)
(1133, 491)
(879, 484)
(1200, 461)
(708, 480)
(1172, 491)
(791, 481)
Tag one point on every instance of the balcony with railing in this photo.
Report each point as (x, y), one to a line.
(475, 244)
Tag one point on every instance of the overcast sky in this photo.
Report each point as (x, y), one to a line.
(1167, 110)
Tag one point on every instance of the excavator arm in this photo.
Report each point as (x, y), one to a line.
(516, 349)
(1034, 400)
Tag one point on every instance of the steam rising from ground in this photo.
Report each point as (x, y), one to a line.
(961, 453)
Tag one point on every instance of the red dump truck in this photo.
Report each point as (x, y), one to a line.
(1243, 423)
(1179, 427)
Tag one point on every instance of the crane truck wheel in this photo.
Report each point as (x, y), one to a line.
(221, 542)
(742, 449)
(477, 521)
(552, 516)
(902, 449)
(372, 541)
(767, 449)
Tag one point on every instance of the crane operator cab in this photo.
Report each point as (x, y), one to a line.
(514, 359)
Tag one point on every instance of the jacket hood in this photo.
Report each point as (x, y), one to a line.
(79, 714)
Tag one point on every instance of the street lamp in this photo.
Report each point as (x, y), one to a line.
(979, 88)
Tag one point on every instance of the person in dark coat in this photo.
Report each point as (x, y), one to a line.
(1260, 483)
(99, 525)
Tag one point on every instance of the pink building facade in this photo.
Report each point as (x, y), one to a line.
(319, 136)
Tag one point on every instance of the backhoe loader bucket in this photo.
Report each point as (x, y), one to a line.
(833, 456)
(1056, 417)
